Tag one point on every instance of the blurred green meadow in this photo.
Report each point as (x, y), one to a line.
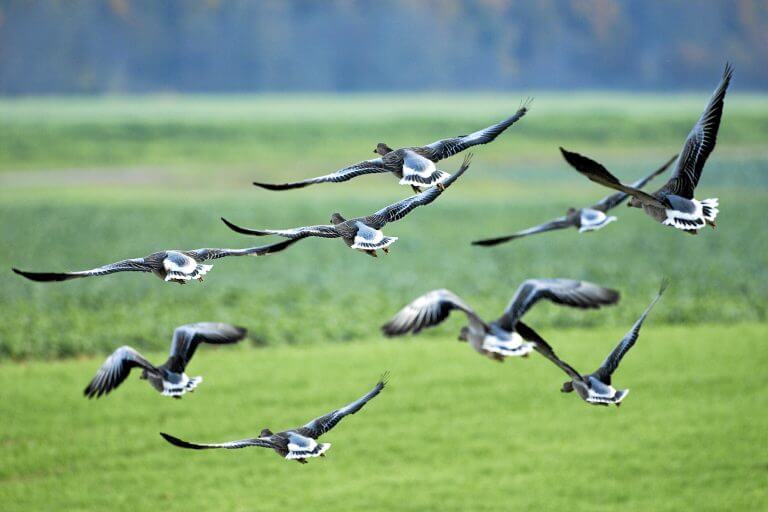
(85, 182)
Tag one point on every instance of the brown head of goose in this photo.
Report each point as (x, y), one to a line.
(596, 388)
(297, 444)
(504, 337)
(168, 378)
(361, 233)
(414, 166)
(673, 204)
(584, 219)
(170, 266)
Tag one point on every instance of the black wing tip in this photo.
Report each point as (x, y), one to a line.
(277, 186)
(176, 441)
(665, 281)
(384, 379)
(236, 228)
(613, 296)
(41, 277)
(487, 242)
(728, 71)
(242, 332)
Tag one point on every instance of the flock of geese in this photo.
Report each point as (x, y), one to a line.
(672, 205)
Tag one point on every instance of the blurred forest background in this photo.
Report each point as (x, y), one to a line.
(124, 46)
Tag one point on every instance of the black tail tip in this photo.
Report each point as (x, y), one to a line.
(384, 379)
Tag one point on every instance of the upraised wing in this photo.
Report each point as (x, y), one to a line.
(700, 143)
(429, 310)
(366, 167)
(115, 370)
(559, 223)
(230, 445)
(616, 199)
(448, 147)
(187, 337)
(599, 174)
(614, 358)
(402, 208)
(566, 292)
(323, 424)
(132, 265)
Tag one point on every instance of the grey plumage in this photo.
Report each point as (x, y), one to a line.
(674, 203)
(414, 166)
(295, 444)
(362, 233)
(172, 265)
(584, 219)
(168, 378)
(596, 388)
(500, 338)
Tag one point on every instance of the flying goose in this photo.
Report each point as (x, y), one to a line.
(673, 204)
(297, 444)
(361, 233)
(168, 378)
(586, 219)
(415, 166)
(174, 266)
(505, 336)
(596, 388)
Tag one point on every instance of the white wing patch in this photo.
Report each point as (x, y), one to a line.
(592, 220)
(301, 447)
(704, 211)
(368, 238)
(514, 346)
(178, 389)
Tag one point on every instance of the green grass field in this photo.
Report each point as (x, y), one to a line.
(84, 182)
(453, 431)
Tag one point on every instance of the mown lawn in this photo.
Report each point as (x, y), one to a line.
(452, 431)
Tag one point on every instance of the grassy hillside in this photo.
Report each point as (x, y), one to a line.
(452, 431)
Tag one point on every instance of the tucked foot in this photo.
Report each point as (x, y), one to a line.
(385, 249)
(440, 186)
(712, 224)
(372, 253)
(416, 189)
(200, 278)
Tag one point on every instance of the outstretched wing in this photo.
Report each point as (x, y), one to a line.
(243, 443)
(187, 337)
(427, 311)
(115, 370)
(544, 348)
(353, 171)
(700, 143)
(615, 200)
(559, 223)
(402, 208)
(448, 147)
(599, 174)
(566, 292)
(324, 231)
(132, 265)
(323, 424)
(214, 254)
(614, 358)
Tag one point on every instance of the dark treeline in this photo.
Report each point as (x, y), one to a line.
(97, 46)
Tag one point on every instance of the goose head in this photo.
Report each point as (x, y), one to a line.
(567, 387)
(265, 432)
(382, 149)
(336, 218)
(464, 334)
(634, 203)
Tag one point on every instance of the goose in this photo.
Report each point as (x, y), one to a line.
(596, 388)
(506, 336)
(673, 204)
(361, 233)
(170, 266)
(414, 166)
(169, 378)
(586, 219)
(297, 444)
